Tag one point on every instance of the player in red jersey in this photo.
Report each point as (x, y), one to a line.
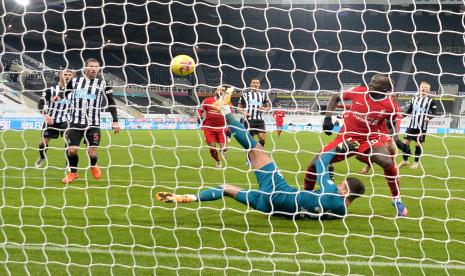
(213, 125)
(370, 109)
(278, 116)
(385, 139)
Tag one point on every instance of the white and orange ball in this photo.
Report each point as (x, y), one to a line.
(182, 65)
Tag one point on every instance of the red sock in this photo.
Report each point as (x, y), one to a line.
(214, 154)
(391, 175)
(310, 178)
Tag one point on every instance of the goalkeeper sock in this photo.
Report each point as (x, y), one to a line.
(418, 151)
(211, 194)
(407, 153)
(73, 162)
(93, 160)
(391, 175)
(239, 132)
(42, 150)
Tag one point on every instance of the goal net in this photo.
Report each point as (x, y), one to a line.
(302, 52)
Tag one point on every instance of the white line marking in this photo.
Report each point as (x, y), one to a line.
(219, 257)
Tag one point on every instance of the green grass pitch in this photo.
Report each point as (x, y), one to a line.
(114, 225)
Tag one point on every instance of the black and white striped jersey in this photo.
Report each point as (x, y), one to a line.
(88, 98)
(252, 101)
(58, 110)
(418, 109)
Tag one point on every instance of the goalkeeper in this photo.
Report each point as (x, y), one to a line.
(274, 195)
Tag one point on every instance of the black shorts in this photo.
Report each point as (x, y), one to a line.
(255, 126)
(413, 134)
(54, 131)
(91, 135)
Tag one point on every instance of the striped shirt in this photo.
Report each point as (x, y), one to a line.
(252, 101)
(87, 100)
(418, 109)
(58, 110)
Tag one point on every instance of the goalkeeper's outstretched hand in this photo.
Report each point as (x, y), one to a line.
(328, 125)
(347, 145)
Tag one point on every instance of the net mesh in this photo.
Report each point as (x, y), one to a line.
(301, 53)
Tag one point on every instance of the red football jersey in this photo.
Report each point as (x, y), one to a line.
(279, 115)
(366, 114)
(382, 127)
(213, 118)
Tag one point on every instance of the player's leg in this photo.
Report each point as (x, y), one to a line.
(210, 139)
(279, 130)
(310, 176)
(221, 141)
(261, 132)
(73, 140)
(43, 147)
(214, 153)
(93, 136)
(380, 155)
(407, 151)
(227, 131)
(48, 133)
(418, 152)
(364, 159)
(258, 158)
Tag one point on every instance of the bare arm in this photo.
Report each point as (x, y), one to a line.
(332, 104)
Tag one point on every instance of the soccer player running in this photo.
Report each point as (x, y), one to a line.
(55, 114)
(90, 95)
(278, 116)
(421, 110)
(369, 109)
(213, 125)
(252, 104)
(274, 195)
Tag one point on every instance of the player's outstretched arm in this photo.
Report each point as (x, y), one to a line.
(328, 121)
(206, 195)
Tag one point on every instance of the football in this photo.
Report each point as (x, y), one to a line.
(182, 65)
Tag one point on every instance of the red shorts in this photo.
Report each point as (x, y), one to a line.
(279, 124)
(215, 135)
(365, 145)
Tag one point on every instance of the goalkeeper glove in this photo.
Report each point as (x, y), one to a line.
(346, 146)
(328, 125)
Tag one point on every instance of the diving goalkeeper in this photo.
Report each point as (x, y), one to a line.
(274, 195)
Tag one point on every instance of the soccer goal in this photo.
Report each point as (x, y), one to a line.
(301, 53)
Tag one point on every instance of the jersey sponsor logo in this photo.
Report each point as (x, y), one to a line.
(63, 101)
(82, 94)
(359, 103)
(255, 102)
(419, 109)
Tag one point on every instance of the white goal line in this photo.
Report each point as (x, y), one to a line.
(220, 257)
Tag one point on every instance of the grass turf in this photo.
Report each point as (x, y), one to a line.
(114, 225)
